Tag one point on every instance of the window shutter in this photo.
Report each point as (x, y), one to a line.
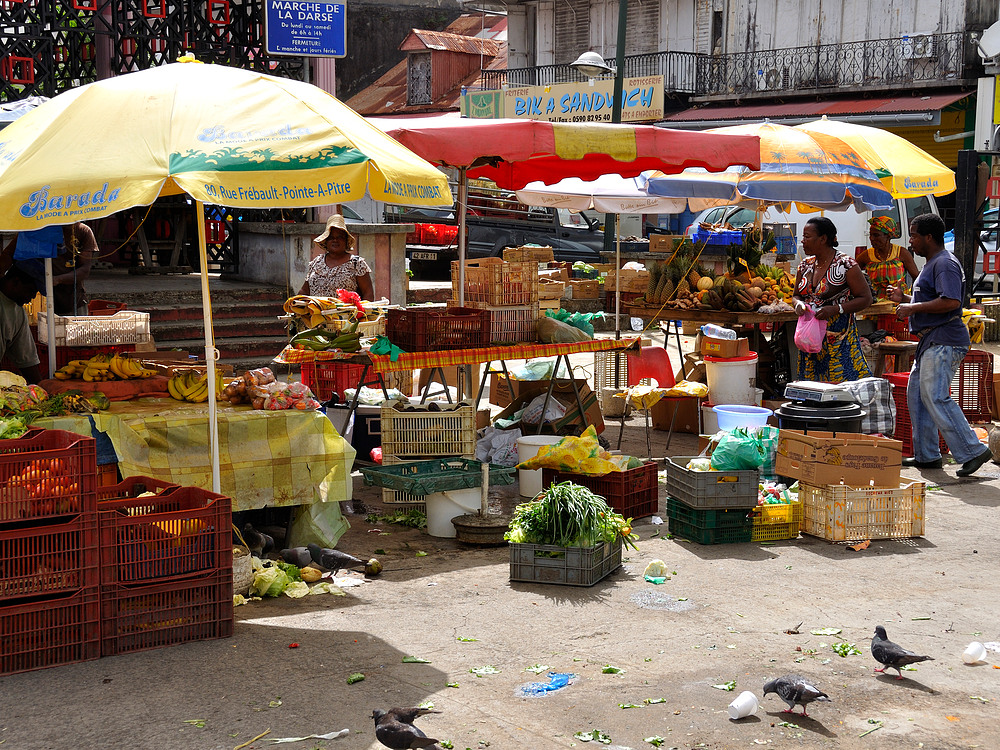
(643, 27)
(572, 29)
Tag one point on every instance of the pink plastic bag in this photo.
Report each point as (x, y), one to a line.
(810, 332)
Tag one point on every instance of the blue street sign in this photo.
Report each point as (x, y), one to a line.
(299, 28)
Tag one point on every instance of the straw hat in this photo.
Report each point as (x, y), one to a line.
(336, 223)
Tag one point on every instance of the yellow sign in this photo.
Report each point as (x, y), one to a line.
(642, 101)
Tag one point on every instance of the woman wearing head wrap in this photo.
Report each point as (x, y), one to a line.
(886, 264)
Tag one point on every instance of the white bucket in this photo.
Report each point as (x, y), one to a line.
(444, 506)
(731, 381)
(529, 480)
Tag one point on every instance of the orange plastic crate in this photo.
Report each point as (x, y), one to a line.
(47, 559)
(45, 474)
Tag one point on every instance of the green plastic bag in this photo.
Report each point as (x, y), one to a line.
(738, 450)
(768, 436)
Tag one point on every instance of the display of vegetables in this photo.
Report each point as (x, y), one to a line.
(568, 515)
(260, 389)
(43, 488)
(26, 403)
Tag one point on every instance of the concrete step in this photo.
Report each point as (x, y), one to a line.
(233, 348)
(225, 328)
(220, 310)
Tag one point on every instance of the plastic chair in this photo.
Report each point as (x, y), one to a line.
(653, 362)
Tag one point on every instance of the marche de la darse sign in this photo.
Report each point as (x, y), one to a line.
(300, 28)
(642, 100)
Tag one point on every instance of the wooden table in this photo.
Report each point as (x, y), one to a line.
(731, 318)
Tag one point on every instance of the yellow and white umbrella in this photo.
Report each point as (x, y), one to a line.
(222, 135)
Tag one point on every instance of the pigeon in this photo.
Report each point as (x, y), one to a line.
(298, 556)
(333, 559)
(794, 689)
(394, 728)
(258, 542)
(892, 655)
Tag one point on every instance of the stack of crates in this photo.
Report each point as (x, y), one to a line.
(412, 433)
(166, 565)
(711, 507)
(49, 551)
(508, 290)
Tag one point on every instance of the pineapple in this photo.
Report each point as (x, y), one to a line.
(684, 286)
(657, 297)
(655, 272)
(666, 291)
(694, 277)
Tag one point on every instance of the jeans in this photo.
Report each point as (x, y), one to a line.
(932, 409)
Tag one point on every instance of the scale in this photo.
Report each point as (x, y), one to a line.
(821, 393)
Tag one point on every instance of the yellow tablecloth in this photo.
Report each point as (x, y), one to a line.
(267, 458)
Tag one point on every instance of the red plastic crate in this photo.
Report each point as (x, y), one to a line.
(132, 487)
(893, 326)
(904, 430)
(46, 474)
(45, 559)
(104, 307)
(107, 475)
(66, 354)
(139, 618)
(50, 631)
(185, 531)
(972, 386)
(633, 493)
(438, 329)
(325, 378)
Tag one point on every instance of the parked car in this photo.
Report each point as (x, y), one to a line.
(495, 220)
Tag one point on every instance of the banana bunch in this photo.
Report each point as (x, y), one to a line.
(103, 367)
(126, 368)
(71, 370)
(192, 386)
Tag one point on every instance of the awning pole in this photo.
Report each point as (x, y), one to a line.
(211, 354)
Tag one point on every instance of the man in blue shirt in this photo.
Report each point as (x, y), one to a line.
(935, 313)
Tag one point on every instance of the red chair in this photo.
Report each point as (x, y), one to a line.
(653, 362)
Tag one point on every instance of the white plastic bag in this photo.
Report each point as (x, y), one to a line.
(532, 413)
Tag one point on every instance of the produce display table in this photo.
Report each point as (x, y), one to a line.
(729, 318)
(267, 458)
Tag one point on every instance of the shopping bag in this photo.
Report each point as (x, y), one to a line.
(810, 332)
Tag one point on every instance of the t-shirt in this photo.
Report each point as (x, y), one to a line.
(16, 343)
(941, 276)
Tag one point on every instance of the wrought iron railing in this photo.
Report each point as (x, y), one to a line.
(871, 64)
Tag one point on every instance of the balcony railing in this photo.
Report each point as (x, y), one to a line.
(868, 65)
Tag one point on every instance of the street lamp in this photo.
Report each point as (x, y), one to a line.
(591, 64)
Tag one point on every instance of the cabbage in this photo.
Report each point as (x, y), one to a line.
(269, 582)
(7, 379)
(297, 589)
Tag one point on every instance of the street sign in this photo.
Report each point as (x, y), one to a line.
(308, 29)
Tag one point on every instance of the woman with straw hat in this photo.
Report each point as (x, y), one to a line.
(337, 268)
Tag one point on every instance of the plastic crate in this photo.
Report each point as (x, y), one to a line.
(492, 281)
(104, 307)
(421, 432)
(633, 493)
(904, 429)
(325, 378)
(49, 559)
(124, 327)
(709, 518)
(511, 325)
(438, 328)
(398, 499)
(107, 475)
(133, 487)
(139, 618)
(185, 531)
(605, 364)
(839, 513)
(435, 475)
(774, 521)
(66, 354)
(46, 474)
(893, 326)
(50, 631)
(703, 535)
(972, 386)
(711, 489)
(566, 566)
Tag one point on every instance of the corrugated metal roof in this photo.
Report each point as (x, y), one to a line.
(832, 107)
(442, 40)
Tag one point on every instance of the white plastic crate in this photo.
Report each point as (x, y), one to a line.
(125, 327)
(604, 371)
(425, 433)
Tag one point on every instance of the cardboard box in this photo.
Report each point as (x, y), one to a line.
(664, 243)
(500, 390)
(687, 414)
(483, 419)
(822, 458)
(528, 254)
(585, 288)
(726, 348)
(554, 274)
(630, 280)
(451, 375)
(563, 392)
(550, 289)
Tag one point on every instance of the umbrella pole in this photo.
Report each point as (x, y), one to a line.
(50, 316)
(463, 196)
(618, 276)
(210, 350)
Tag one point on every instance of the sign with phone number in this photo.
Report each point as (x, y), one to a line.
(642, 100)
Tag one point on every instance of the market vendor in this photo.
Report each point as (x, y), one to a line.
(886, 264)
(337, 267)
(17, 288)
(71, 267)
(833, 285)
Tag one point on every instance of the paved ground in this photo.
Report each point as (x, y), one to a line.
(721, 617)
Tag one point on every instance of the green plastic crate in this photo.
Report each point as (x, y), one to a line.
(712, 518)
(437, 475)
(710, 536)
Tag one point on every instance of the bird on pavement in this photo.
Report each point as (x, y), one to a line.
(297, 556)
(892, 655)
(258, 542)
(333, 559)
(794, 689)
(394, 728)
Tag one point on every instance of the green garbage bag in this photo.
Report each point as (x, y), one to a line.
(738, 450)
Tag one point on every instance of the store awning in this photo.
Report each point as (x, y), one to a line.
(885, 111)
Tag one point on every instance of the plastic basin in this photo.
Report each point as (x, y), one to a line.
(731, 416)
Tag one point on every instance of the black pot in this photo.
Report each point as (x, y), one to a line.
(836, 416)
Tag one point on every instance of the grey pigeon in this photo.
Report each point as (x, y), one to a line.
(298, 556)
(892, 655)
(333, 559)
(258, 542)
(394, 728)
(794, 689)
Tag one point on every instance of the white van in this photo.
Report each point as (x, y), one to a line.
(852, 227)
